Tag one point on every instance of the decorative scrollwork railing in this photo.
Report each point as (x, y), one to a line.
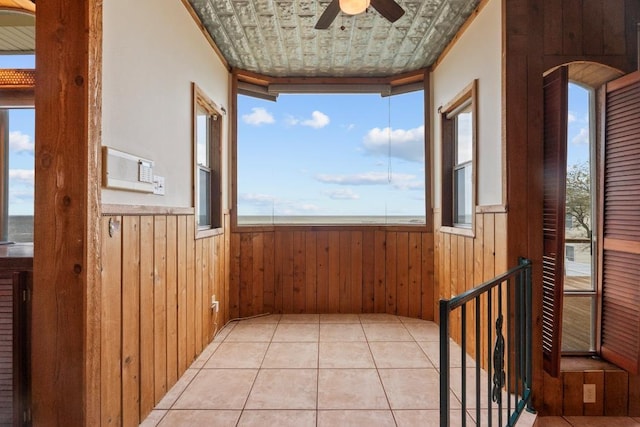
(503, 303)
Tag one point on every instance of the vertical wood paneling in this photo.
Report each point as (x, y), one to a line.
(368, 276)
(192, 352)
(331, 271)
(182, 294)
(572, 387)
(322, 257)
(269, 273)
(197, 331)
(428, 277)
(571, 27)
(160, 307)
(391, 269)
(257, 280)
(310, 266)
(380, 304)
(130, 320)
(634, 396)
(614, 27)
(150, 311)
(147, 389)
(286, 263)
(345, 272)
(616, 393)
(593, 39)
(334, 273)
(205, 266)
(356, 272)
(402, 273)
(111, 318)
(172, 300)
(415, 291)
(246, 274)
(234, 278)
(299, 289)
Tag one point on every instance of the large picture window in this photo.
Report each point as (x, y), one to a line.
(458, 159)
(331, 159)
(207, 143)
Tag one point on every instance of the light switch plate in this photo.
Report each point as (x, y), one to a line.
(158, 185)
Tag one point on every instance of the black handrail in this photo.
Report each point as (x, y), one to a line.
(510, 374)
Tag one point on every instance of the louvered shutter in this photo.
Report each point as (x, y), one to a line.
(555, 174)
(620, 257)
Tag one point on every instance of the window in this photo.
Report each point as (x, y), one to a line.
(331, 159)
(17, 130)
(207, 142)
(458, 159)
(579, 285)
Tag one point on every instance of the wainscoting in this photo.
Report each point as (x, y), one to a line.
(157, 285)
(336, 271)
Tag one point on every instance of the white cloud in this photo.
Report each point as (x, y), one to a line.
(582, 137)
(318, 120)
(398, 180)
(273, 205)
(342, 194)
(258, 116)
(21, 143)
(571, 117)
(405, 144)
(24, 176)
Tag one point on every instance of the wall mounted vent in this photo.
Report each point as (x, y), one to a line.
(124, 171)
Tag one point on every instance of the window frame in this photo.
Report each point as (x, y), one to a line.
(466, 99)
(201, 102)
(264, 87)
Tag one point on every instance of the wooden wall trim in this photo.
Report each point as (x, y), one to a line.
(206, 34)
(66, 290)
(491, 209)
(115, 209)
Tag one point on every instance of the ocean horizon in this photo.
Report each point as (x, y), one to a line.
(331, 220)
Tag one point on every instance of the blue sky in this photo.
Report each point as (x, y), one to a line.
(345, 155)
(578, 125)
(21, 146)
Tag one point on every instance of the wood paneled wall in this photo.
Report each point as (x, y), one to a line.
(463, 262)
(156, 317)
(617, 393)
(333, 271)
(540, 35)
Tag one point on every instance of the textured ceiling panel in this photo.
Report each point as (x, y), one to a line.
(277, 37)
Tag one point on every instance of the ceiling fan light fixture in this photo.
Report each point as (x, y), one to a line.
(354, 7)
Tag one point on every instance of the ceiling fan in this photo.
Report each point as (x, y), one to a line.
(387, 8)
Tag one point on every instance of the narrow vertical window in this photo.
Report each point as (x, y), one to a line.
(458, 160)
(207, 142)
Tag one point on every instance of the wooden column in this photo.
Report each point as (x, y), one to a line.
(66, 290)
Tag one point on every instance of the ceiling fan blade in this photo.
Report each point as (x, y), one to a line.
(328, 15)
(388, 8)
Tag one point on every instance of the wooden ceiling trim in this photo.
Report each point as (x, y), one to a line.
(206, 34)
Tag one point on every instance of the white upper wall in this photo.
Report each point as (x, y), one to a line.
(476, 55)
(152, 51)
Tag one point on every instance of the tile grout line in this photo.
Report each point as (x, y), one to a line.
(253, 383)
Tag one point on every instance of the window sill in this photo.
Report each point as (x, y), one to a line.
(586, 363)
(211, 232)
(460, 231)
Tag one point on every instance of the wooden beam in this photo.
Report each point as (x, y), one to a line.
(66, 290)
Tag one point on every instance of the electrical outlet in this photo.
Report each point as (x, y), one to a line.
(589, 393)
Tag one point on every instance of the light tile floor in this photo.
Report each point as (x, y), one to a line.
(317, 370)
